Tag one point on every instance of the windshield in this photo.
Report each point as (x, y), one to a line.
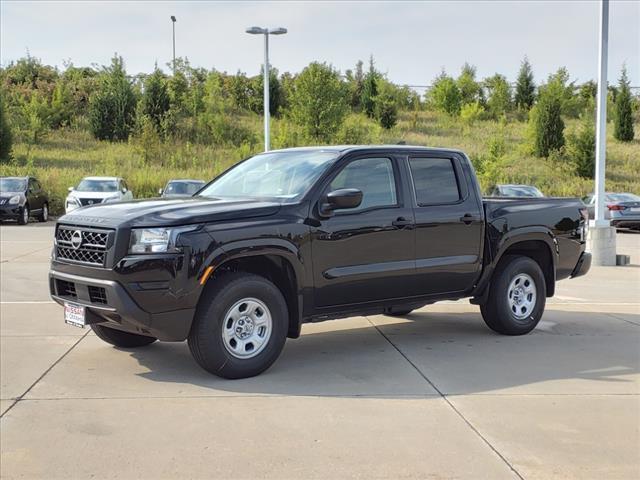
(87, 185)
(182, 188)
(622, 197)
(520, 191)
(283, 175)
(13, 184)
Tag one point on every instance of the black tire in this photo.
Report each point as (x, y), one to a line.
(398, 312)
(44, 214)
(502, 317)
(205, 339)
(121, 339)
(23, 218)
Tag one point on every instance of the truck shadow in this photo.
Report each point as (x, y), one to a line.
(569, 352)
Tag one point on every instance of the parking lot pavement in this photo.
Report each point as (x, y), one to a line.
(431, 395)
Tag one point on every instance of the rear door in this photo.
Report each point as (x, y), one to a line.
(35, 195)
(449, 223)
(365, 254)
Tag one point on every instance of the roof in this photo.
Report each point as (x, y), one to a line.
(101, 178)
(346, 148)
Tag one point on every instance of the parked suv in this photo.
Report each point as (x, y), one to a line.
(306, 235)
(95, 190)
(21, 198)
(181, 188)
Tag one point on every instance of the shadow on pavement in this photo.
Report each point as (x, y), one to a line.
(455, 351)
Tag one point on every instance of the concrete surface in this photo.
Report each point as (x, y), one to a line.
(432, 395)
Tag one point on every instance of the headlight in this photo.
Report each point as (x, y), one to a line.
(14, 200)
(71, 204)
(156, 240)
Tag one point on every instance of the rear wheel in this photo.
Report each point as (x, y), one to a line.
(23, 216)
(517, 296)
(240, 326)
(121, 339)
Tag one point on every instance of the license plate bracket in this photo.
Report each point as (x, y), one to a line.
(75, 314)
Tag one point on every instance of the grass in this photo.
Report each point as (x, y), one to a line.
(499, 152)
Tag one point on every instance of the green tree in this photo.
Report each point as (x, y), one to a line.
(370, 90)
(6, 137)
(355, 80)
(525, 88)
(545, 120)
(499, 101)
(445, 95)
(581, 146)
(112, 106)
(468, 86)
(319, 104)
(155, 99)
(623, 118)
(386, 108)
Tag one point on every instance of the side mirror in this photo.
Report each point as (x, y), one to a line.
(160, 192)
(70, 189)
(340, 199)
(124, 190)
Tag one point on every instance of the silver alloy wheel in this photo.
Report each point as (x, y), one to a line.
(521, 296)
(45, 212)
(247, 328)
(25, 214)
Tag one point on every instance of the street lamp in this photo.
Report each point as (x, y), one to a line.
(173, 23)
(266, 32)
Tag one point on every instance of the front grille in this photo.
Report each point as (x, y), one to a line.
(89, 201)
(97, 294)
(66, 289)
(88, 246)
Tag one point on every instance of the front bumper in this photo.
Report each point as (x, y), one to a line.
(142, 307)
(583, 265)
(10, 212)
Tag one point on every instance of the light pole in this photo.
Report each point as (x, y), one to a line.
(602, 237)
(266, 32)
(173, 23)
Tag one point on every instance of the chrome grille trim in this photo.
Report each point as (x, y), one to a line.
(92, 249)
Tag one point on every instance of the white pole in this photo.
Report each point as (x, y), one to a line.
(601, 109)
(266, 91)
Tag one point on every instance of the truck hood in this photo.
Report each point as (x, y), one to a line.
(161, 212)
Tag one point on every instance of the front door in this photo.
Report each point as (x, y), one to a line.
(362, 255)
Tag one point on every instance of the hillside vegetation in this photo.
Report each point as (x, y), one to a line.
(195, 124)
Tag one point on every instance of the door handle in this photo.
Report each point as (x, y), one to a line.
(401, 222)
(467, 219)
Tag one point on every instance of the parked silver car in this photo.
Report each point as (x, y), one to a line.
(181, 188)
(622, 209)
(515, 191)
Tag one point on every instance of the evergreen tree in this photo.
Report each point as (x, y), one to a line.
(370, 90)
(445, 95)
(112, 106)
(386, 108)
(155, 99)
(499, 102)
(469, 88)
(546, 121)
(623, 119)
(525, 88)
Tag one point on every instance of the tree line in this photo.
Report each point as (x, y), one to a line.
(317, 105)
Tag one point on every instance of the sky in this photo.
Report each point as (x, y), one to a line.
(412, 42)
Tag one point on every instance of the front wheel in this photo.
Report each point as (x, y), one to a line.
(121, 339)
(23, 217)
(240, 326)
(517, 296)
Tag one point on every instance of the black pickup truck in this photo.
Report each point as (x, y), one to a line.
(311, 234)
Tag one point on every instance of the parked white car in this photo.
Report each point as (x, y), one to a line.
(95, 190)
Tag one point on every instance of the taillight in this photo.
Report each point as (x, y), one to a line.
(616, 207)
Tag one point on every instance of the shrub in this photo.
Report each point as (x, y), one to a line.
(357, 129)
(318, 104)
(623, 118)
(499, 102)
(581, 147)
(469, 88)
(386, 108)
(471, 113)
(445, 95)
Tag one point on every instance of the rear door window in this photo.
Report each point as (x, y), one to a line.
(434, 180)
